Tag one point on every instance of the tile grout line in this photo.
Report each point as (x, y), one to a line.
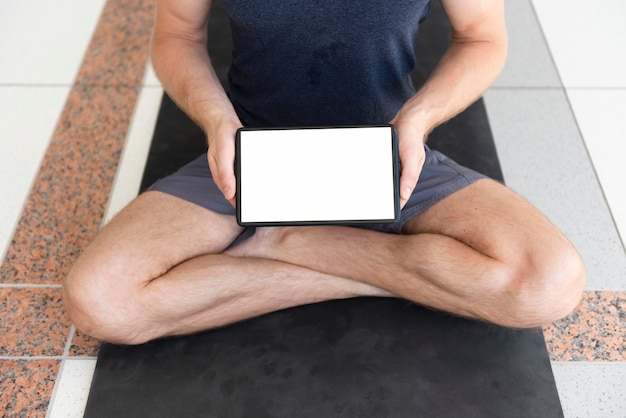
(75, 84)
(523, 88)
(562, 88)
(602, 88)
(545, 41)
(93, 358)
(30, 286)
(108, 216)
(593, 166)
(64, 358)
(55, 388)
(68, 342)
(620, 362)
(35, 85)
(40, 358)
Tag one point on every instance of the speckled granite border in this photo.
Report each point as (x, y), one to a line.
(65, 207)
(84, 345)
(68, 199)
(596, 330)
(33, 322)
(26, 387)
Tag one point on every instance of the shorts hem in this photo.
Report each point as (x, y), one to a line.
(450, 189)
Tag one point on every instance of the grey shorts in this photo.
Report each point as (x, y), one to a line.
(439, 178)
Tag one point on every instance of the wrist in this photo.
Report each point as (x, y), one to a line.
(222, 130)
(414, 123)
(214, 118)
(421, 114)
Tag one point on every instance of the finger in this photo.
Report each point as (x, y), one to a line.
(412, 163)
(408, 180)
(221, 162)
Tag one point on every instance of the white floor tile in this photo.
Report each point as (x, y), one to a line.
(133, 159)
(150, 77)
(591, 389)
(72, 389)
(587, 40)
(529, 63)
(28, 116)
(43, 42)
(600, 116)
(544, 159)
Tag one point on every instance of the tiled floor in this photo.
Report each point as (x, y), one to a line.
(70, 102)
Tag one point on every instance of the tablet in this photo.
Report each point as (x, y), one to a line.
(322, 175)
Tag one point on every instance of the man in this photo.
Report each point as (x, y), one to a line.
(176, 262)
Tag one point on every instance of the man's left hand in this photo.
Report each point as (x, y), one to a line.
(412, 154)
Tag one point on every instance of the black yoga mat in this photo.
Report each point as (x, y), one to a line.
(362, 357)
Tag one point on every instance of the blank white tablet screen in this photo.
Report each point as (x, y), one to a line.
(316, 175)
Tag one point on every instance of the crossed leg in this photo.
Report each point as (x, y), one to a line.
(162, 266)
(157, 270)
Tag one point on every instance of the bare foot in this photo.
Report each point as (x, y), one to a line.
(259, 244)
(266, 242)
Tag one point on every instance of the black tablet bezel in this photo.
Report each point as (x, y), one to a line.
(396, 180)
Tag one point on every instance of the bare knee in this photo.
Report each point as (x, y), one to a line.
(102, 311)
(542, 288)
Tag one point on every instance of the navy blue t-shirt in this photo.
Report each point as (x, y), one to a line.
(322, 62)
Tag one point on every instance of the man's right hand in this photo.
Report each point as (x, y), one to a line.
(221, 155)
(182, 63)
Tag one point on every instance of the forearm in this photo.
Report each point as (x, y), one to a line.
(183, 65)
(185, 71)
(462, 76)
